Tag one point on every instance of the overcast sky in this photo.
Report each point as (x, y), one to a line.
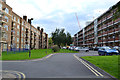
(52, 14)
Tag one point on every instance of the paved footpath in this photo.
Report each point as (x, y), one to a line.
(67, 65)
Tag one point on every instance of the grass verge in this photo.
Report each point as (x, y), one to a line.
(35, 54)
(107, 63)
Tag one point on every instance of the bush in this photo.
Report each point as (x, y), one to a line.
(55, 48)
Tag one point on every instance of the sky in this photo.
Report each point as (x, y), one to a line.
(52, 14)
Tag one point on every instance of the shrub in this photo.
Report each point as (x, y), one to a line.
(55, 48)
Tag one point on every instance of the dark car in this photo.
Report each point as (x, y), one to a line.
(96, 48)
(90, 48)
(107, 51)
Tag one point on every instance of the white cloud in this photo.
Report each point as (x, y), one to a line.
(56, 11)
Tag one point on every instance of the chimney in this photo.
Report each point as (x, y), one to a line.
(42, 29)
(38, 28)
(25, 18)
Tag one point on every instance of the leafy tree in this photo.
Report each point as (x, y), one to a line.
(50, 41)
(60, 38)
(117, 13)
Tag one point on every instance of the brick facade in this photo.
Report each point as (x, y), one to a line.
(17, 31)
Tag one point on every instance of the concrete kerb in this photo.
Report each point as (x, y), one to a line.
(48, 56)
(30, 60)
(99, 69)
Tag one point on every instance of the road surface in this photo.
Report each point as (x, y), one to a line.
(62, 65)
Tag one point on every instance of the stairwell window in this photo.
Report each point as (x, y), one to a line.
(17, 39)
(18, 20)
(18, 27)
(18, 33)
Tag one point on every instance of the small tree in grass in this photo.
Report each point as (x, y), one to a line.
(55, 48)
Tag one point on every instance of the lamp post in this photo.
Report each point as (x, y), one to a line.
(29, 21)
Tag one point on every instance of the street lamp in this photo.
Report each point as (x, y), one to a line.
(29, 21)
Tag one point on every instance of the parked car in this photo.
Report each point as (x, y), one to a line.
(64, 47)
(86, 49)
(117, 48)
(90, 48)
(96, 48)
(72, 48)
(76, 48)
(82, 49)
(106, 50)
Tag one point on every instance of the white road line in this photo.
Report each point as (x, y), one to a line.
(88, 66)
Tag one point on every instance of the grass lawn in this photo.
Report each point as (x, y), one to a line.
(35, 54)
(107, 63)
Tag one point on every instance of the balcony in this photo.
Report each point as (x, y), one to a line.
(110, 31)
(109, 16)
(104, 33)
(110, 39)
(110, 23)
(117, 29)
(100, 40)
(117, 38)
(117, 20)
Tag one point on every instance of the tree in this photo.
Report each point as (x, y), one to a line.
(50, 41)
(69, 39)
(60, 38)
(117, 12)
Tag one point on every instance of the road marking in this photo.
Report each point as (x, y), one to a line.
(21, 76)
(88, 66)
(48, 56)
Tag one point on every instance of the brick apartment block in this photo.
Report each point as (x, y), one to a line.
(17, 31)
(103, 31)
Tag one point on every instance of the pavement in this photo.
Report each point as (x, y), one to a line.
(61, 65)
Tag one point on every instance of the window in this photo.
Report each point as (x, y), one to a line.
(18, 33)
(18, 20)
(18, 26)
(21, 45)
(22, 28)
(17, 45)
(6, 26)
(0, 6)
(22, 22)
(7, 10)
(6, 18)
(14, 24)
(14, 18)
(17, 39)
(5, 36)
(22, 40)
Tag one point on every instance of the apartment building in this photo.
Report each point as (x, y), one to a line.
(16, 31)
(103, 31)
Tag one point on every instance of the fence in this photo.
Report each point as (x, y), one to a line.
(15, 50)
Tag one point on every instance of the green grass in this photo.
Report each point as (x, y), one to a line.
(35, 54)
(107, 63)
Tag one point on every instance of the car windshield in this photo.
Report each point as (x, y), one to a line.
(107, 47)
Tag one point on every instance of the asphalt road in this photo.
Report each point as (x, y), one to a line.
(57, 66)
